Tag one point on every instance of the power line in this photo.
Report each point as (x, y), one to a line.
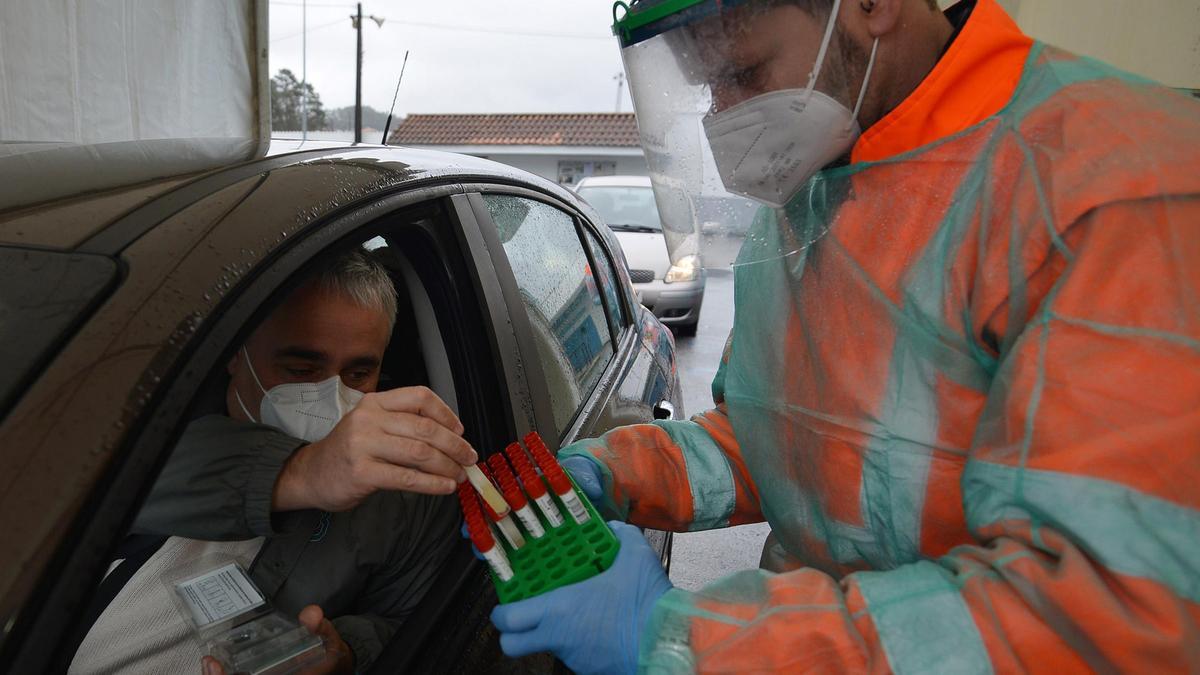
(312, 4)
(310, 30)
(449, 27)
(502, 31)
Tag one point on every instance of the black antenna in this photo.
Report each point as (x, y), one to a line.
(387, 125)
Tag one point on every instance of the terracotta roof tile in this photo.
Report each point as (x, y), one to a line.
(580, 129)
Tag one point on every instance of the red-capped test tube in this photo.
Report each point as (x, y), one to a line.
(557, 478)
(513, 494)
(481, 534)
(507, 527)
(534, 487)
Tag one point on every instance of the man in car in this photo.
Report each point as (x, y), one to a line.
(963, 382)
(330, 494)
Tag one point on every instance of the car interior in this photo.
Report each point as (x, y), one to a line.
(440, 343)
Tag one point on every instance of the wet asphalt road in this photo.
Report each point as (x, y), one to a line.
(701, 557)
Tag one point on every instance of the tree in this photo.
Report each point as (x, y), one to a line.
(287, 104)
(343, 118)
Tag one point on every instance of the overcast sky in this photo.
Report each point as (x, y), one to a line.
(465, 55)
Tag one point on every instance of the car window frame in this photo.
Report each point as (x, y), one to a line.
(49, 614)
(624, 344)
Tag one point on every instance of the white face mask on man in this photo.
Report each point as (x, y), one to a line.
(767, 147)
(305, 410)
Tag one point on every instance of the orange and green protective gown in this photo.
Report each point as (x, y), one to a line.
(970, 409)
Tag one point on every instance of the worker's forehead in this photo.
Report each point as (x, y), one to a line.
(736, 35)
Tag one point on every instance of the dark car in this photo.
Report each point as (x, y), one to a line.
(130, 272)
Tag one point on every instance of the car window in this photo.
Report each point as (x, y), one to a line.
(608, 282)
(561, 296)
(624, 207)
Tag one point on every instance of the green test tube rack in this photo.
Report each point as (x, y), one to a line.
(565, 555)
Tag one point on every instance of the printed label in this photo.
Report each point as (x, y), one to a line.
(576, 507)
(219, 594)
(550, 510)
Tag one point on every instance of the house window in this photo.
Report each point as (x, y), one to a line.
(569, 172)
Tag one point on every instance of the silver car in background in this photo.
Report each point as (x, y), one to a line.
(673, 292)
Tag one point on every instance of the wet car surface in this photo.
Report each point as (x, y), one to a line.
(131, 270)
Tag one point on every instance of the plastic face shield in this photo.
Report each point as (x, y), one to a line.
(685, 59)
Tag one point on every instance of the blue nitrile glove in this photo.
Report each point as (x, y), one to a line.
(593, 626)
(586, 475)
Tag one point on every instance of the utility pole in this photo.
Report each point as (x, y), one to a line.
(304, 71)
(356, 21)
(358, 80)
(620, 78)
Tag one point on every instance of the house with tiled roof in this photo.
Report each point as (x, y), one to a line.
(560, 147)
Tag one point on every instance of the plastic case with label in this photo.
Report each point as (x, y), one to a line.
(236, 624)
(268, 645)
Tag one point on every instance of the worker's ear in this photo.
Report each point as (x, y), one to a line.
(880, 16)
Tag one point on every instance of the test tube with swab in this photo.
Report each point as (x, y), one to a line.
(557, 478)
(534, 487)
(515, 496)
(508, 528)
(481, 535)
(485, 488)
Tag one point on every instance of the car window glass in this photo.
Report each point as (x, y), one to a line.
(565, 309)
(608, 281)
(624, 206)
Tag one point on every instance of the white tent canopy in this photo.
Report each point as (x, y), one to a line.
(99, 71)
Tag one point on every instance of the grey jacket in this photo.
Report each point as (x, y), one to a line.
(367, 568)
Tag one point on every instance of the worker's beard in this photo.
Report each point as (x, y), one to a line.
(842, 75)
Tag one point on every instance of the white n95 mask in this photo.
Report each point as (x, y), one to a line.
(767, 147)
(305, 410)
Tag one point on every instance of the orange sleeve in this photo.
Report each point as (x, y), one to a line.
(674, 475)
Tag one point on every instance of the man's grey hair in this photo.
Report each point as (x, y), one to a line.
(361, 279)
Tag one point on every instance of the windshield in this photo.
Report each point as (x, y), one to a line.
(624, 207)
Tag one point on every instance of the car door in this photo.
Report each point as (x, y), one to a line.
(601, 360)
(597, 368)
(176, 321)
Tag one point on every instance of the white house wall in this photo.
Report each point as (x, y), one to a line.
(546, 166)
(1158, 39)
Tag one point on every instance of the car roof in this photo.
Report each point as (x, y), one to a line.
(614, 181)
(73, 196)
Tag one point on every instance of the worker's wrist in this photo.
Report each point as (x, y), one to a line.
(665, 644)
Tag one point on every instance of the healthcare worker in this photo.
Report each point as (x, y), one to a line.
(963, 382)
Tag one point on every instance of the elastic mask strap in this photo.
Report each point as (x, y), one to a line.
(253, 374)
(862, 93)
(833, 15)
(238, 395)
(244, 409)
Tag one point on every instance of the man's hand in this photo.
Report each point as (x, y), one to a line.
(402, 439)
(338, 657)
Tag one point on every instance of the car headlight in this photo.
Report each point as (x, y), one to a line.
(686, 269)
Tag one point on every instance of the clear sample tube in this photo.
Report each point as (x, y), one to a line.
(512, 534)
(557, 478)
(515, 496)
(481, 536)
(534, 487)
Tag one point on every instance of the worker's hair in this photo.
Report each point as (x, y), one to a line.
(362, 280)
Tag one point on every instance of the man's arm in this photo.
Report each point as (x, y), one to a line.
(218, 482)
(1079, 491)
